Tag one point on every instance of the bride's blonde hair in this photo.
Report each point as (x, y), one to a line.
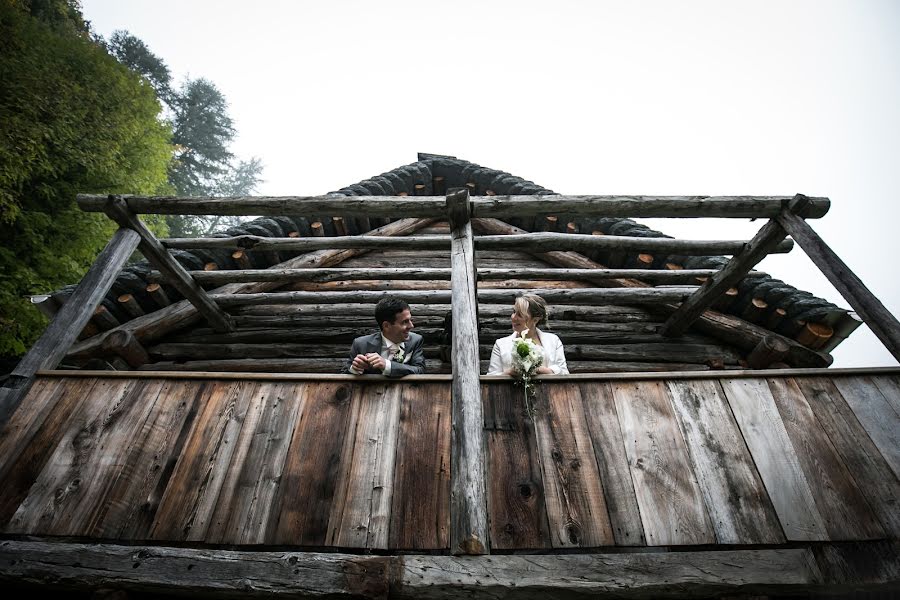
(534, 305)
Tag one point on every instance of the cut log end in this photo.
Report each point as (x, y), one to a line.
(814, 335)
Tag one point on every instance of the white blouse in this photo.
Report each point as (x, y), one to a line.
(554, 357)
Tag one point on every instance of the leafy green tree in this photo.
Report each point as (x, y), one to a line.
(74, 120)
(134, 54)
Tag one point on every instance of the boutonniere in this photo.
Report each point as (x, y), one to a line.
(400, 355)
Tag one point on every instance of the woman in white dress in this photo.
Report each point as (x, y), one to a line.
(529, 312)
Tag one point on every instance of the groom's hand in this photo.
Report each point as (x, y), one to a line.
(376, 361)
(360, 363)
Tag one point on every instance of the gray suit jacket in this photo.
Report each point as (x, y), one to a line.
(413, 356)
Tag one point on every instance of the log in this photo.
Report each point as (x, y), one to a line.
(241, 258)
(868, 569)
(728, 207)
(317, 230)
(339, 226)
(754, 311)
(768, 238)
(275, 365)
(583, 295)
(769, 350)
(151, 248)
(468, 493)
(548, 223)
(104, 319)
(814, 335)
(879, 319)
(46, 304)
(431, 273)
(130, 304)
(71, 319)
(158, 294)
(729, 329)
(724, 301)
(157, 324)
(124, 345)
(530, 241)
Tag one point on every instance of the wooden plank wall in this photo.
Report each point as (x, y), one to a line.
(365, 466)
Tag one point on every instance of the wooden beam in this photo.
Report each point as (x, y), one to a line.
(150, 247)
(879, 319)
(767, 238)
(468, 493)
(537, 241)
(159, 323)
(729, 207)
(563, 295)
(866, 567)
(436, 273)
(72, 317)
(735, 331)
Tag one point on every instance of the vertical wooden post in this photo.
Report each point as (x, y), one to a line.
(879, 319)
(52, 346)
(468, 496)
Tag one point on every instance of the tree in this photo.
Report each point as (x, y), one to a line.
(74, 120)
(134, 54)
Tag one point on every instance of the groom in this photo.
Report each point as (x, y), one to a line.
(394, 350)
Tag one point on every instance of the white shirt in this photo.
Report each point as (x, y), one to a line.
(387, 347)
(554, 357)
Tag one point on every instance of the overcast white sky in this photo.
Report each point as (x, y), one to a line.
(668, 98)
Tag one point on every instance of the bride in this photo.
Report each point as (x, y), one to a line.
(529, 311)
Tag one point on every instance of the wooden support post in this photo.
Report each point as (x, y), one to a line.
(104, 319)
(52, 346)
(159, 295)
(151, 248)
(130, 304)
(468, 496)
(767, 239)
(879, 319)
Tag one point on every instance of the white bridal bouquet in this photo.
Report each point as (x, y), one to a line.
(526, 358)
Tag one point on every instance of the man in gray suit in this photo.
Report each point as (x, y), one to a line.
(394, 350)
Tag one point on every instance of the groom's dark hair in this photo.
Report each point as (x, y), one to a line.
(387, 309)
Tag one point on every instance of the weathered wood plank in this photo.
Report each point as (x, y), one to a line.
(879, 319)
(576, 508)
(612, 462)
(865, 463)
(308, 481)
(420, 517)
(252, 508)
(153, 453)
(360, 512)
(516, 506)
(764, 432)
(843, 507)
(739, 508)
(890, 389)
(671, 503)
(186, 509)
(43, 511)
(875, 414)
(30, 440)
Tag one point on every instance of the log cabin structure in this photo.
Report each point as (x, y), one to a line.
(181, 427)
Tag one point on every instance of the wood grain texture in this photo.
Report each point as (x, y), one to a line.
(360, 512)
(43, 511)
(671, 503)
(738, 506)
(313, 463)
(186, 509)
(764, 432)
(516, 506)
(31, 436)
(152, 454)
(890, 389)
(612, 462)
(576, 508)
(842, 505)
(871, 472)
(420, 511)
(876, 414)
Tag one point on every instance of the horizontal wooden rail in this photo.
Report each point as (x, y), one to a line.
(589, 295)
(729, 207)
(530, 241)
(325, 275)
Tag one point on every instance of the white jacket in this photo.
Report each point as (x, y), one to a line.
(554, 357)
